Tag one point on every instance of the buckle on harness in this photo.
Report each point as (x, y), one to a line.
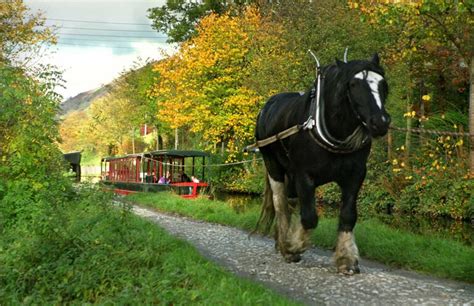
(309, 124)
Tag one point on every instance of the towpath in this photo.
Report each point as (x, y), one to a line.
(313, 280)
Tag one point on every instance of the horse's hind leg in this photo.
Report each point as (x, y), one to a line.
(305, 217)
(282, 214)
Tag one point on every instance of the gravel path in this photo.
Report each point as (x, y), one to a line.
(314, 279)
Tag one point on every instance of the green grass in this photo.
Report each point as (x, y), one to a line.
(397, 248)
(92, 253)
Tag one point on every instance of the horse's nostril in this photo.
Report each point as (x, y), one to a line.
(386, 119)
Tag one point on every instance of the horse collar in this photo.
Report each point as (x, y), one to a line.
(318, 129)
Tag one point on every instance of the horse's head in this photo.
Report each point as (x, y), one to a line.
(367, 92)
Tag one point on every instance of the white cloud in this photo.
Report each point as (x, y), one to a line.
(87, 68)
(91, 61)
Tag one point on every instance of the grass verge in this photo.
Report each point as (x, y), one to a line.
(93, 253)
(397, 248)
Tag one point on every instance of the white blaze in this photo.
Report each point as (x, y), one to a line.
(373, 79)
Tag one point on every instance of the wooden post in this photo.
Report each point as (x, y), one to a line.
(389, 145)
(460, 149)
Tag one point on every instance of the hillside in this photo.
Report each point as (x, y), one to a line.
(83, 100)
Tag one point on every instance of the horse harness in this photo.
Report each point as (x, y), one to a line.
(317, 127)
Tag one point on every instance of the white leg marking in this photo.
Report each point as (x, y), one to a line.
(347, 254)
(298, 237)
(282, 213)
(279, 197)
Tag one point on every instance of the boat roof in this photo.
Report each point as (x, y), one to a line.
(121, 156)
(73, 157)
(179, 153)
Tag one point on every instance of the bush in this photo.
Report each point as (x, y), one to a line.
(90, 251)
(439, 196)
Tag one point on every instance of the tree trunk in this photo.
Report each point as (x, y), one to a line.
(133, 141)
(157, 139)
(471, 119)
(176, 138)
(408, 136)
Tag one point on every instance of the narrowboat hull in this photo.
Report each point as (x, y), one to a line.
(186, 189)
(165, 170)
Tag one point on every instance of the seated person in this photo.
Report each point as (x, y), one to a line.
(164, 179)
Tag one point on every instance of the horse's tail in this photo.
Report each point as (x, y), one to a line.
(267, 214)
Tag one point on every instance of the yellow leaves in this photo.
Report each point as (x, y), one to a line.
(21, 29)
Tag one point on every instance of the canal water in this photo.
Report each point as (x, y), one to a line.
(435, 227)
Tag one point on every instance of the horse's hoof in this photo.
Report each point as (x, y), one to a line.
(348, 270)
(292, 257)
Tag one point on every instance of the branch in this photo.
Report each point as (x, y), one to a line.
(448, 34)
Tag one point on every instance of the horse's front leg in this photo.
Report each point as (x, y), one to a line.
(347, 254)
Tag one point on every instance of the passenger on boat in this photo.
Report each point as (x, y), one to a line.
(164, 179)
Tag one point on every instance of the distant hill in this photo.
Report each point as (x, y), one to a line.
(83, 100)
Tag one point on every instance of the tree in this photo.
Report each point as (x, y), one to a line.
(74, 131)
(21, 34)
(28, 103)
(112, 123)
(178, 18)
(202, 86)
(435, 39)
(325, 27)
(135, 84)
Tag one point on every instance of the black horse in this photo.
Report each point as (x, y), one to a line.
(341, 116)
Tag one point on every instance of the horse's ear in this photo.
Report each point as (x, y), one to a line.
(375, 59)
(339, 63)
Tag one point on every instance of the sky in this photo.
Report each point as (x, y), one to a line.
(98, 39)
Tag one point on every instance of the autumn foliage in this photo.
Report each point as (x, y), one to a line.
(204, 86)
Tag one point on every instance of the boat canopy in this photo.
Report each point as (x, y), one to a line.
(178, 153)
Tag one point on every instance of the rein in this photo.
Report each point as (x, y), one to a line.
(317, 128)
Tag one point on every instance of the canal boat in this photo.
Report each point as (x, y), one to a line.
(183, 171)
